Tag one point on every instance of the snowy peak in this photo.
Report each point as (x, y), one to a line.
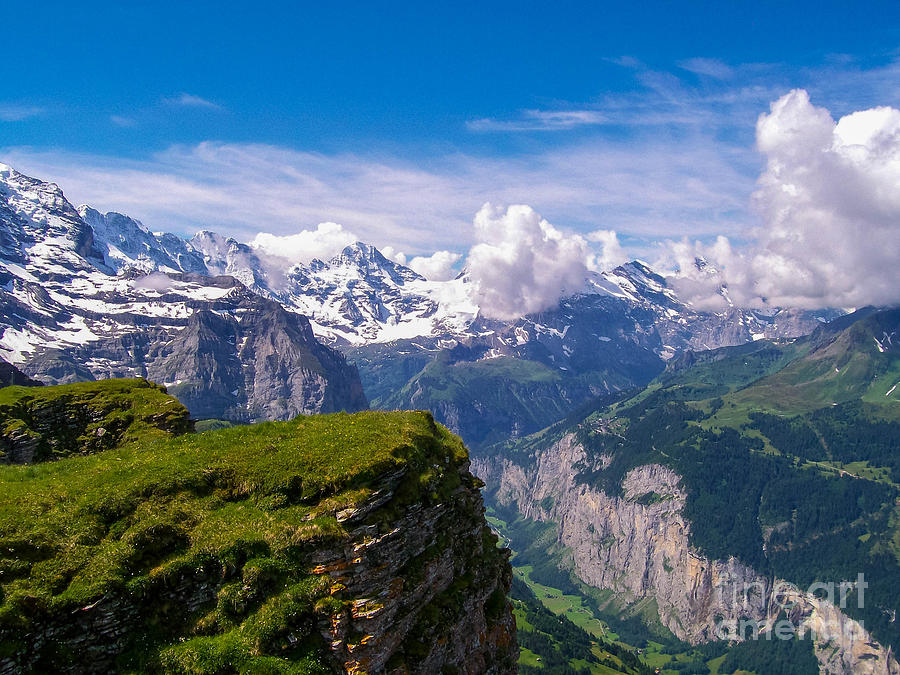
(356, 297)
(265, 275)
(127, 244)
(41, 229)
(371, 263)
(360, 296)
(34, 196)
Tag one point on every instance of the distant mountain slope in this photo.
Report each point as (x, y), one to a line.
(861, 362)
(503, 379)
(744, 465)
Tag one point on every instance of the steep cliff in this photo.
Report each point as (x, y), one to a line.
(637, 544)
(332, 543)
(12, 376)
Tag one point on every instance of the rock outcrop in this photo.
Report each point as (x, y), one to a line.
(428, 594)
(47, 423)
(637, 544)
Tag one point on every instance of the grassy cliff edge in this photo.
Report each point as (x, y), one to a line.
(233, 550)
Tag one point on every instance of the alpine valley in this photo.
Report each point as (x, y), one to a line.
(645, 461)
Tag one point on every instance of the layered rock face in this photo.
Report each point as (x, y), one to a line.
(224, 351)
(429, 594)
(637, 544)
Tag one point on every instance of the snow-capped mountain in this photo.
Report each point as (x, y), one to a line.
(126, 244)
(86, 295)
(89, 295)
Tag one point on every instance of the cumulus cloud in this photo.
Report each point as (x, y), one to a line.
(436, 267)
(829, 199)
(392, 253)
(521, 263)
(324, 242)
(611, 252)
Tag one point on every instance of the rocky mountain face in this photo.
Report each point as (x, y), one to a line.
(88, 296)
(12, 376)
(499, 380)
(331, 543)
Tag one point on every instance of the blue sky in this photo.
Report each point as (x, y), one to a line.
(398, 120)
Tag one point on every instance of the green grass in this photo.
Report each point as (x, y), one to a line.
(849, 367)
(447, 380)
(237, 507)
(570, 606)
(528, 658)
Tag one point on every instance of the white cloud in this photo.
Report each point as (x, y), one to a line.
(611, 252)
(325, 242)
(12, 112)
(191, 101)
(392, 253)
(708, 67)
(829, 198)
(540, 120)
(686, 186)
(436, 267)
(155, 281)
(121, 121)
(521, 263)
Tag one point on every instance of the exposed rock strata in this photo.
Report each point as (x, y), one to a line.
(43, 424)
(429, 594)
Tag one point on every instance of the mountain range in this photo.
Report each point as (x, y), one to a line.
(639, 455)
(241, 335)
